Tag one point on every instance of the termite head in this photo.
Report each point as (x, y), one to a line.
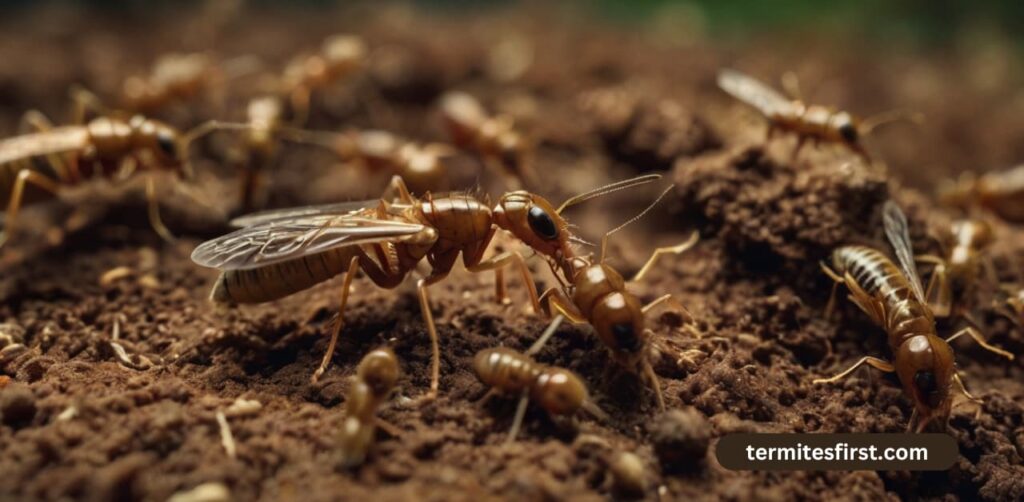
(379, 370)
(925, 366)
(846, 128)
(559, 391)
(535, 222)
(161, 141)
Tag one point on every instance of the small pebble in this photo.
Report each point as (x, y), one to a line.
(629, 474)
(17, 405)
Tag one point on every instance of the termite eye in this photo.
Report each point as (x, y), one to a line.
(848, 132)
(625, 336)
(167, 144)
(541, 223)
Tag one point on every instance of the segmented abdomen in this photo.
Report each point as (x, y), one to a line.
(258, 285)
(904, 314)
(506, 369)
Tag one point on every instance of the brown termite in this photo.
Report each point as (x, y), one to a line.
(174, 77)
(374, 380)
(815, 122)
(959, 266)
(108, 147)
(1000, 192)
(894, 299)
(278, 253)
(502, 148)
(557, 390)
(340, 56)
(596, 294)
(421, 166)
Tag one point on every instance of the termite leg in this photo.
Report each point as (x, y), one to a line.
(517, 420)
(553, 298)
(442, 265)
(24, 177)
(688, 318)
(84, 101)
(677, 249)
(353, 265)
(652, 378)
(976, 336)
(511, 258)
(963, 389)
(836, 281)
(154, 212)
(939, 293)
(397, 188)
(545, 336)
(36, 120)
(874, 362)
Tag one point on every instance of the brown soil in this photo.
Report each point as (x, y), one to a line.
(604, 104)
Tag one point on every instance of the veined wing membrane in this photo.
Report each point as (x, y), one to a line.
(336, 209)
(59, 140)
(752, 91)
(282, 240)
(897, 230)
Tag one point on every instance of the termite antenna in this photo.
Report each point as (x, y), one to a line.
(604, 240)
(607, 189)
(873, 122)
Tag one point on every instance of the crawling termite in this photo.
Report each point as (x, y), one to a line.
(374, 380)
(339, 57)
(596, 294)
(894, 299)
(557, 390)
(495, 139)
(1000, 192)
(809, 122)
(110, 148)
(959, 266)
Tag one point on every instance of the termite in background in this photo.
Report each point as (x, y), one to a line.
(999, 192)
(596, 294)
(278, 253)
(373, 382)
(340, 56)
(111, 148)
(809, 122)
(421, 166)
(557, 390)
(495, 139)
(956, 271)
(894, 299)
(259, 149)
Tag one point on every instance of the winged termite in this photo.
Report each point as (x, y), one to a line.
(894, 299)
(280, 253)
(815, 122)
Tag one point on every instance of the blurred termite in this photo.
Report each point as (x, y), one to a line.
(894, 299)
(340, 57)
(958, 268)
(278, 253)
(111, 147)
(1000, 192)
(557, 390)
(814, 122)
(501, 148)
(596, 294)
(421, 166)
(373, 382)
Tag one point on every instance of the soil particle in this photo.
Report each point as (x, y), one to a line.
(17, 405)
(681, 438)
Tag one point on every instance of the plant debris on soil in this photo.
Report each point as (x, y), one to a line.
(87, 414)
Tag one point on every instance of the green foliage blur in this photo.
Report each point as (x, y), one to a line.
(926, 22)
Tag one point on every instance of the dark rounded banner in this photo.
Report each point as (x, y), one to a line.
(837, 452)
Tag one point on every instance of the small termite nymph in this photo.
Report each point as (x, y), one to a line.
(339, 57)
(894, 299)
(814, 122)
(494, 138)
(557, 390)
(375, 378)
